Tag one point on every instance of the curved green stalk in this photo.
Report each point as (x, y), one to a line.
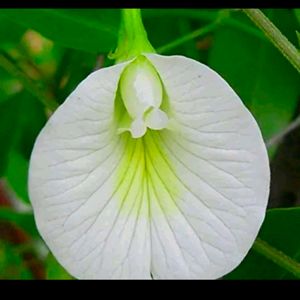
(277, 257)
(275, 36)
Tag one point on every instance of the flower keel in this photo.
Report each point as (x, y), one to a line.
(142, 93)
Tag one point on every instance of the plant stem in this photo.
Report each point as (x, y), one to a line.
(277, 257)
(279, 136)
(133, 38)
(194, 34)
(290, 52)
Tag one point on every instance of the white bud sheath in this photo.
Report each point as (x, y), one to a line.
(142, 94)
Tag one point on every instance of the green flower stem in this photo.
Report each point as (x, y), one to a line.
(277, 257)
(275, 36)
(133, 38)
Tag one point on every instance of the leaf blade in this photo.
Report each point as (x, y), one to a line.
(79, 29)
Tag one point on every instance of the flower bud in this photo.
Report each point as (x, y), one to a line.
(142, 93)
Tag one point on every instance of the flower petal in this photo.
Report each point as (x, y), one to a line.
(73, 188)
(156, 119)
(182, 202)
(217, 154)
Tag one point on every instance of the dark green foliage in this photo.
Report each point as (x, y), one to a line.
(90, 30)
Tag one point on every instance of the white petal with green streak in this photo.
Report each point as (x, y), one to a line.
(182, 202)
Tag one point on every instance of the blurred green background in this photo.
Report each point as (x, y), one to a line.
(45, 53)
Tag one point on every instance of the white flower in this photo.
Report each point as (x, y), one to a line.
(150, 168)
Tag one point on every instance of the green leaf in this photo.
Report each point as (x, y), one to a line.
(92, 30)
(198, 14)
(297, 13)
(23, 220)
(190, 50)
(10, 32)
(54, 270)
(74, 66)
(281, 231)
(30, 121)
(21, 120)
(8, 129)
(162, 30)
(257, 71)
(203, 15)
(12, 265)
(17, 175)
(8, 86)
